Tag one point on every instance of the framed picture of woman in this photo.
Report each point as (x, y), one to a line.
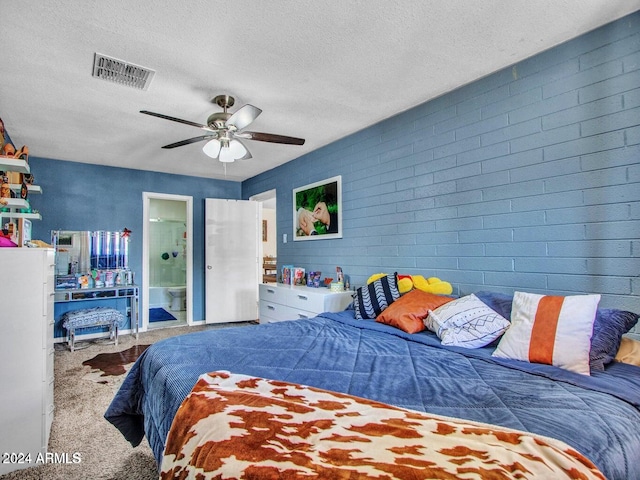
(317, 210)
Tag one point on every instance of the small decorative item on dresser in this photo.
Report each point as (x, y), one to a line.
(313, 279)
(287, 274)
(298, 276)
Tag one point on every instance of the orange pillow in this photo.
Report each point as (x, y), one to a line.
(409, 311)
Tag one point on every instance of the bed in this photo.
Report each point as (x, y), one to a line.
(597, 415)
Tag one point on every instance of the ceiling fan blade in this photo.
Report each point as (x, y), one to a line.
(270, 137)
(179, 120)
(190, 140)
(244, 116)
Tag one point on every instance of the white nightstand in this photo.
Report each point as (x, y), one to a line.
(280, 302)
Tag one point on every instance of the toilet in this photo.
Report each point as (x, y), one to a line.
(178, 298)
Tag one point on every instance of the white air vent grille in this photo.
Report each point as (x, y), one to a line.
(122, 72)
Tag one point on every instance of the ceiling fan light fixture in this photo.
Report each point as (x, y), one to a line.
(225, 150)
(237, 149)
(212, 148)
(226, 156)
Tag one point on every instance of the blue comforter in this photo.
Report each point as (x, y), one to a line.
(597, 415)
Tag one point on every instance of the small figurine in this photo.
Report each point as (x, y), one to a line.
(8, 150)
(5, 189)
(23, 153)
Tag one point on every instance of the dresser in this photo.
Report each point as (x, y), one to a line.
(26, 355)
(280, 302)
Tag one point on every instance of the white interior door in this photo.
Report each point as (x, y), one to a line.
(232, 260)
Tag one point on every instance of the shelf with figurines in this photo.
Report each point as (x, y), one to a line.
(16, 181)
(17, 208)
(11, 164)
(10, 159)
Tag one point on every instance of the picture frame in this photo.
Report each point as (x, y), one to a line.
(264, 230)
(317, 210)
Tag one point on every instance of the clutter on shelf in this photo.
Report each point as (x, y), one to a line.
(16, 183)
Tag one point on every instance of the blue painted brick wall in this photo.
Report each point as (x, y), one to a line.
(81, 196)
(526, 179)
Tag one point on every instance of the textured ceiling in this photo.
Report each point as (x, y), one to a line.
(319, 70)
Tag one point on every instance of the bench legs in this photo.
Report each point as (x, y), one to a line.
(71, 334)
(71, 339)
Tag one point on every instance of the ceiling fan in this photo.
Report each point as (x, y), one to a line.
(226, 131)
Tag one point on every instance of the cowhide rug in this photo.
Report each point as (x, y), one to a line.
(110, 368)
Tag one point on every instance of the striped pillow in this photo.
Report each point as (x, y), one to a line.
(552, 330)
(372, 299)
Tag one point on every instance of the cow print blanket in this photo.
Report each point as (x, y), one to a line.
(238, 426)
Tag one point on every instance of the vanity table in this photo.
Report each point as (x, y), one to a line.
(92, 270)
(68, 299)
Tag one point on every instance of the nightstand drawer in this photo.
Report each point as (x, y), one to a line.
(271, 292)
(271, 311)
(305, 300)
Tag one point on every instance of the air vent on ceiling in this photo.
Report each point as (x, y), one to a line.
(122, 72)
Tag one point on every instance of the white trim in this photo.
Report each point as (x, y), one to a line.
(144, 294)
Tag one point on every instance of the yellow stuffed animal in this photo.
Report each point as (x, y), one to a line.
(406, 283)
(375, 277)
(432, 285)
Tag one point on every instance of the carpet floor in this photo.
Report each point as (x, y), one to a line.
(78, 423)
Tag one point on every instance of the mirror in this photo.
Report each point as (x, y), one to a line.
(91, 259)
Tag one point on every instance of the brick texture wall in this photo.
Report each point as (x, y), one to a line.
(526, 179)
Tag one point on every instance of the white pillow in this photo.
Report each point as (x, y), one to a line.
(552, 330)
(466, 322)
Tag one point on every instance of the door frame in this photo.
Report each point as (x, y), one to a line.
(146, 198)
(267, 196)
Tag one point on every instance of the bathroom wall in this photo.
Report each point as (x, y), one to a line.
(167, 243)
(167, 253)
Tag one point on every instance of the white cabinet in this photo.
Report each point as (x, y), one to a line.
(280, 302)
(26, 354)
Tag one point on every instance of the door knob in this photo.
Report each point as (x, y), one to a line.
(209, 267)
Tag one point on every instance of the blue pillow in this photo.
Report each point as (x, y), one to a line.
(608, 327)
(369, 301)
(500, 302)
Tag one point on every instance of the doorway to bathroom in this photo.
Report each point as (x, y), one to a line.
(167, 261)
